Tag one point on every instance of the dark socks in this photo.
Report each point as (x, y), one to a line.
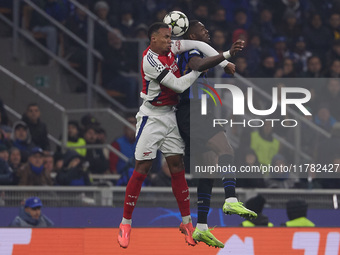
(229, 179)
(204, 189)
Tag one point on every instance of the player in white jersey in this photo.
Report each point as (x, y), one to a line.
(156, 123)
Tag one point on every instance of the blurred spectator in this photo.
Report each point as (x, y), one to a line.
(333, 179)
(280, 179)
(37, 128)
(266, 27)
(247, 157)
(74, 171)
(331, 95)
(76, 54)
(160, 14)
(309, 140)
(21, 139)
(38, 24)
(300, 9)
(317, 35)
(219, 20)
(3, 114)
(232, 6)
(58, 161)
(126, 144)
(101, 138)
(48, 164)
(87, 121)
(291, 29)
(262, 142)
(314, 68)
(300, 55)
(30, 215)
(242, 66)
(297, 213)
(141, 31)
(267, 67)
(240, 20)
(201, 13)
(256, 204)
(15, 163)
(163, 177)
(288, 70)
(6, 172)
(127, 23)
(96, 158)
(253, 53)
(6, 130)
(102, 9)
(15, 159)
(218, 40)
(280, 49)
(240, 34)
(74, 138)
(334, 25)
(334, 69)
(333, 53)
(323, 117)
(33, 173)
(329, 148)
(4, 139)
(117, 59)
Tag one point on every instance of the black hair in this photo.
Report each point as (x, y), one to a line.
(192, 24)
(32, 104)
(296, 208)
(155, 27)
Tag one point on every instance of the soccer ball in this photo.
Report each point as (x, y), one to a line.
(178, 22)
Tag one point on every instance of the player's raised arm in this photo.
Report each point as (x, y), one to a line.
(155, 70)
(179, 46)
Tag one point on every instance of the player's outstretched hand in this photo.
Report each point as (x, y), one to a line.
(230, 68)
(236, 47)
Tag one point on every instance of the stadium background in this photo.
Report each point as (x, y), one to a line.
(75, 78)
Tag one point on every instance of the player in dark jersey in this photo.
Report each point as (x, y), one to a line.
(213, 144)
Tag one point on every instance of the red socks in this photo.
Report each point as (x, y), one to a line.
(132, 192)
(179, 188)
(181, 192)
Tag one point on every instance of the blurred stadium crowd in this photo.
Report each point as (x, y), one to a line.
(284, 39)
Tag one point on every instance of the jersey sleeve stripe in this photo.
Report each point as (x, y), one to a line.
(151, 60)
(162, 75)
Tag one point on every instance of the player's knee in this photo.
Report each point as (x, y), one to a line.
(176, 166)
(143, 166)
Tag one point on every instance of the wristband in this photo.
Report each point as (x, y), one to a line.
(226, 54)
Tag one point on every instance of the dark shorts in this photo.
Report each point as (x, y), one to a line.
(195, 129)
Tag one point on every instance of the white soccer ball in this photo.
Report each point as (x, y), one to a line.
(178, 22)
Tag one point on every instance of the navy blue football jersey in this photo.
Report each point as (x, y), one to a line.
(194, 92)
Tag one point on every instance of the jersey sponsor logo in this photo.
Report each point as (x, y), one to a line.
(145, 154)
(178, 44)
(131, 203)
